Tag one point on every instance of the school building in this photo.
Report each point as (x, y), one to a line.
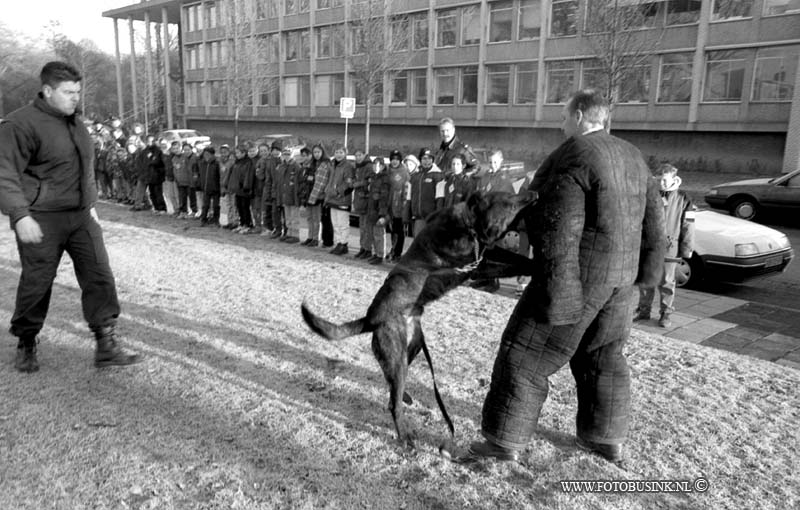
(715, 85)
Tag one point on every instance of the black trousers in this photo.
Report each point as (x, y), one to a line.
(157, 196)
(211, 202)
(398, 230)
(77, 233)
(243, 208)
(531, 352)
(184, 193)
(327, 226)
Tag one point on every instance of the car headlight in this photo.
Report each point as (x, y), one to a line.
(783, 242)
(745, 250)
(713, 192)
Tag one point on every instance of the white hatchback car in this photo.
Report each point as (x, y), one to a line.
(729, 249)
(190, 136)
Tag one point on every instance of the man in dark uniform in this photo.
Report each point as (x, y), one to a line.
(451, 146)
(47, 188)
(597, 229)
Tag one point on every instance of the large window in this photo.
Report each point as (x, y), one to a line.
(563, 19)
(445, 85)
(446, 28)
(469, 85)
(399, 34)
(419, 31)
(217, 93)
(297, 91)
(305, 44)
(193, 57)
(328, 89)
(594, 75)
(525, 89)
(471, 25)
(192, 14)
(634, 85)
(775, 73)
(529, 19)
(269, 95)
(772, 7)
(357, 39)
(323, 42)
(399, 88)
(292, 45)
(500, 17)
(215, 54)
(210, 17)
(192, 95)
(560, 81)
(419, 87)
(682, 12)
(290, 6)
(675, 82)
(498, 80)
(729, 9)
(724, 76)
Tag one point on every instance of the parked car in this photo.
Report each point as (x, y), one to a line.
(747, 199)
(189, 136)
(286, 140)
(729, 249)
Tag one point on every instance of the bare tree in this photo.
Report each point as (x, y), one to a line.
(85, 55)
(379, 47)
(614, 31)
(247, 71)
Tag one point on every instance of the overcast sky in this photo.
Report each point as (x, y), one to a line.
(80, 19)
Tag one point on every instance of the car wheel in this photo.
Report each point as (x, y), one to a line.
(689, 273)
(744, 208)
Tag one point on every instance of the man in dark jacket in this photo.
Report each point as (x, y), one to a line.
(451, 146)
(47, 189)
(596, 230)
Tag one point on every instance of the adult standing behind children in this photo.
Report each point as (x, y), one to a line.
(338, 194)
(450, 146)
(47, 189)
(679, 229)
(597, 228)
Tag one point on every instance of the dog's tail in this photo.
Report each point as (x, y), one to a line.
(331, 331)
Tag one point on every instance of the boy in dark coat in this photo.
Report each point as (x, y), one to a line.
(209, 170)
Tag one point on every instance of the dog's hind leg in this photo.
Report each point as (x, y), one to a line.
(414, 338)
(389, 349)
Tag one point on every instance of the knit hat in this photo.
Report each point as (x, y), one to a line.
(395, 154)
(425, 152)
(276, 145)
(412, 158)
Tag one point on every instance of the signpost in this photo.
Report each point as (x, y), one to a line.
(347, 109)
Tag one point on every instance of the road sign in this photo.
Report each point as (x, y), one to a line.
(347, 107)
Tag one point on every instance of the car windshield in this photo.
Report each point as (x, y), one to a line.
(286, 141)
(189, 134)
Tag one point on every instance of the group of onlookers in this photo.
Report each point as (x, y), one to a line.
(269, 190)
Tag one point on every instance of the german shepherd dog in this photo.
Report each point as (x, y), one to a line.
(456, 244)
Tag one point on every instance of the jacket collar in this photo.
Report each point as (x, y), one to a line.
(41, 103)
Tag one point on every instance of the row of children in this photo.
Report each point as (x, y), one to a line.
(268, 190)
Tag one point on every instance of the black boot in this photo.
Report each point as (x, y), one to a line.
(26, 355)
(108, 353)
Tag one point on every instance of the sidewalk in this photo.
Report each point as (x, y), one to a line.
(753, 329)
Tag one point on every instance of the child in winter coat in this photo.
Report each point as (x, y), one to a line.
(398, 203)
(378, 203)
(363, 176)
(288, 195)
(458, 184)
(338, 196)
(208, 167)
(240, 185)
(427, 190)
(320, 167)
